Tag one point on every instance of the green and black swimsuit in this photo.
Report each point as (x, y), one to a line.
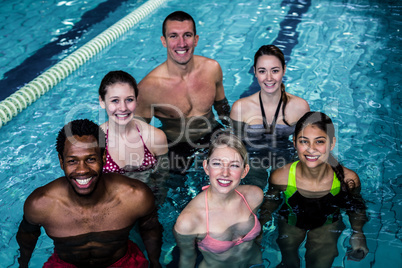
(309, 213)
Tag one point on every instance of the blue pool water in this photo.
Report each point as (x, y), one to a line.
(343, 57)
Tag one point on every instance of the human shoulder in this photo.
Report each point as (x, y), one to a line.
(208, 66)
(151, 81)
(204, 60)
(191, 219)
(125, 184)
(42, 201)
(154, 138)
(187, 223)
(244, 108)
(131, 192)
(296, 108)
(280, 176)
(352, 180)
(253, 195)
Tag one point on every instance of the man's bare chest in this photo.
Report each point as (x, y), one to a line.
(186, 100)
(72, 221)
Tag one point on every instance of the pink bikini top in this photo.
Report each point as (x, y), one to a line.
(216, 246)
(149, 161)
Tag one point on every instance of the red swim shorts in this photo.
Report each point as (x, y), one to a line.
(133, 258)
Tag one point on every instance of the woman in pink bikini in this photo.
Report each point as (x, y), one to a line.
(221, 221)
(132, 146)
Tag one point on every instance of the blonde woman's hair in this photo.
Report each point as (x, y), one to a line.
(231, 141)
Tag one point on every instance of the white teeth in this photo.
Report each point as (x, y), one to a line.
(224, 181)
(181, 52)
(121, 115)
(83, 181)
(269, 85)
(312, 157)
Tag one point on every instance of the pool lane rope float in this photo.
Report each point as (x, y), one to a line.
(29, 93)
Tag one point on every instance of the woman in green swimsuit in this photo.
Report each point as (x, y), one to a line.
(315, 189)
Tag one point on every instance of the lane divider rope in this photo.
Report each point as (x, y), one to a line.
(32, 91)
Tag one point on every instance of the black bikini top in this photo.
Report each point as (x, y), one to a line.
(269, 127)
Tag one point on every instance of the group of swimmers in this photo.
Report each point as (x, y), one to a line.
(90, 212)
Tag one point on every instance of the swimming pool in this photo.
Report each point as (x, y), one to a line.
(343, 58)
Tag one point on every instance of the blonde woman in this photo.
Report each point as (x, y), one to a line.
(221, 221)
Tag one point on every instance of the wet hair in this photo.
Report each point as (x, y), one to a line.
(115, 77)
(323, 122)
(177, 16)
(80, 127)
(271, 50)
(231, 141)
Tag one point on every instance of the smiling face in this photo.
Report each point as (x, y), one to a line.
(225, 169)
(269, 73)
(313, 146)
(180, 41)
(82, 163)
(119, 102)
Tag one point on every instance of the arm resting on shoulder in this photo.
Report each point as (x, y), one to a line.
(27, 236)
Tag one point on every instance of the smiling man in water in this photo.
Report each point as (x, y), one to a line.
(88, 214)
(181, 91)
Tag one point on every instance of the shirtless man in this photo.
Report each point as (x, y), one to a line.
(88, 214)
(182, 90)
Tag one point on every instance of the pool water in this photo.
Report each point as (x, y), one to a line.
(343, 57)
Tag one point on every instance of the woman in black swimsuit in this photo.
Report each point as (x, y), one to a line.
(266, 119)
(315, 190)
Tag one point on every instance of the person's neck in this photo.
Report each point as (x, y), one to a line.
(219, 199)
(271, 98)
(117, 130)
(317, 173)
(180, 70)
